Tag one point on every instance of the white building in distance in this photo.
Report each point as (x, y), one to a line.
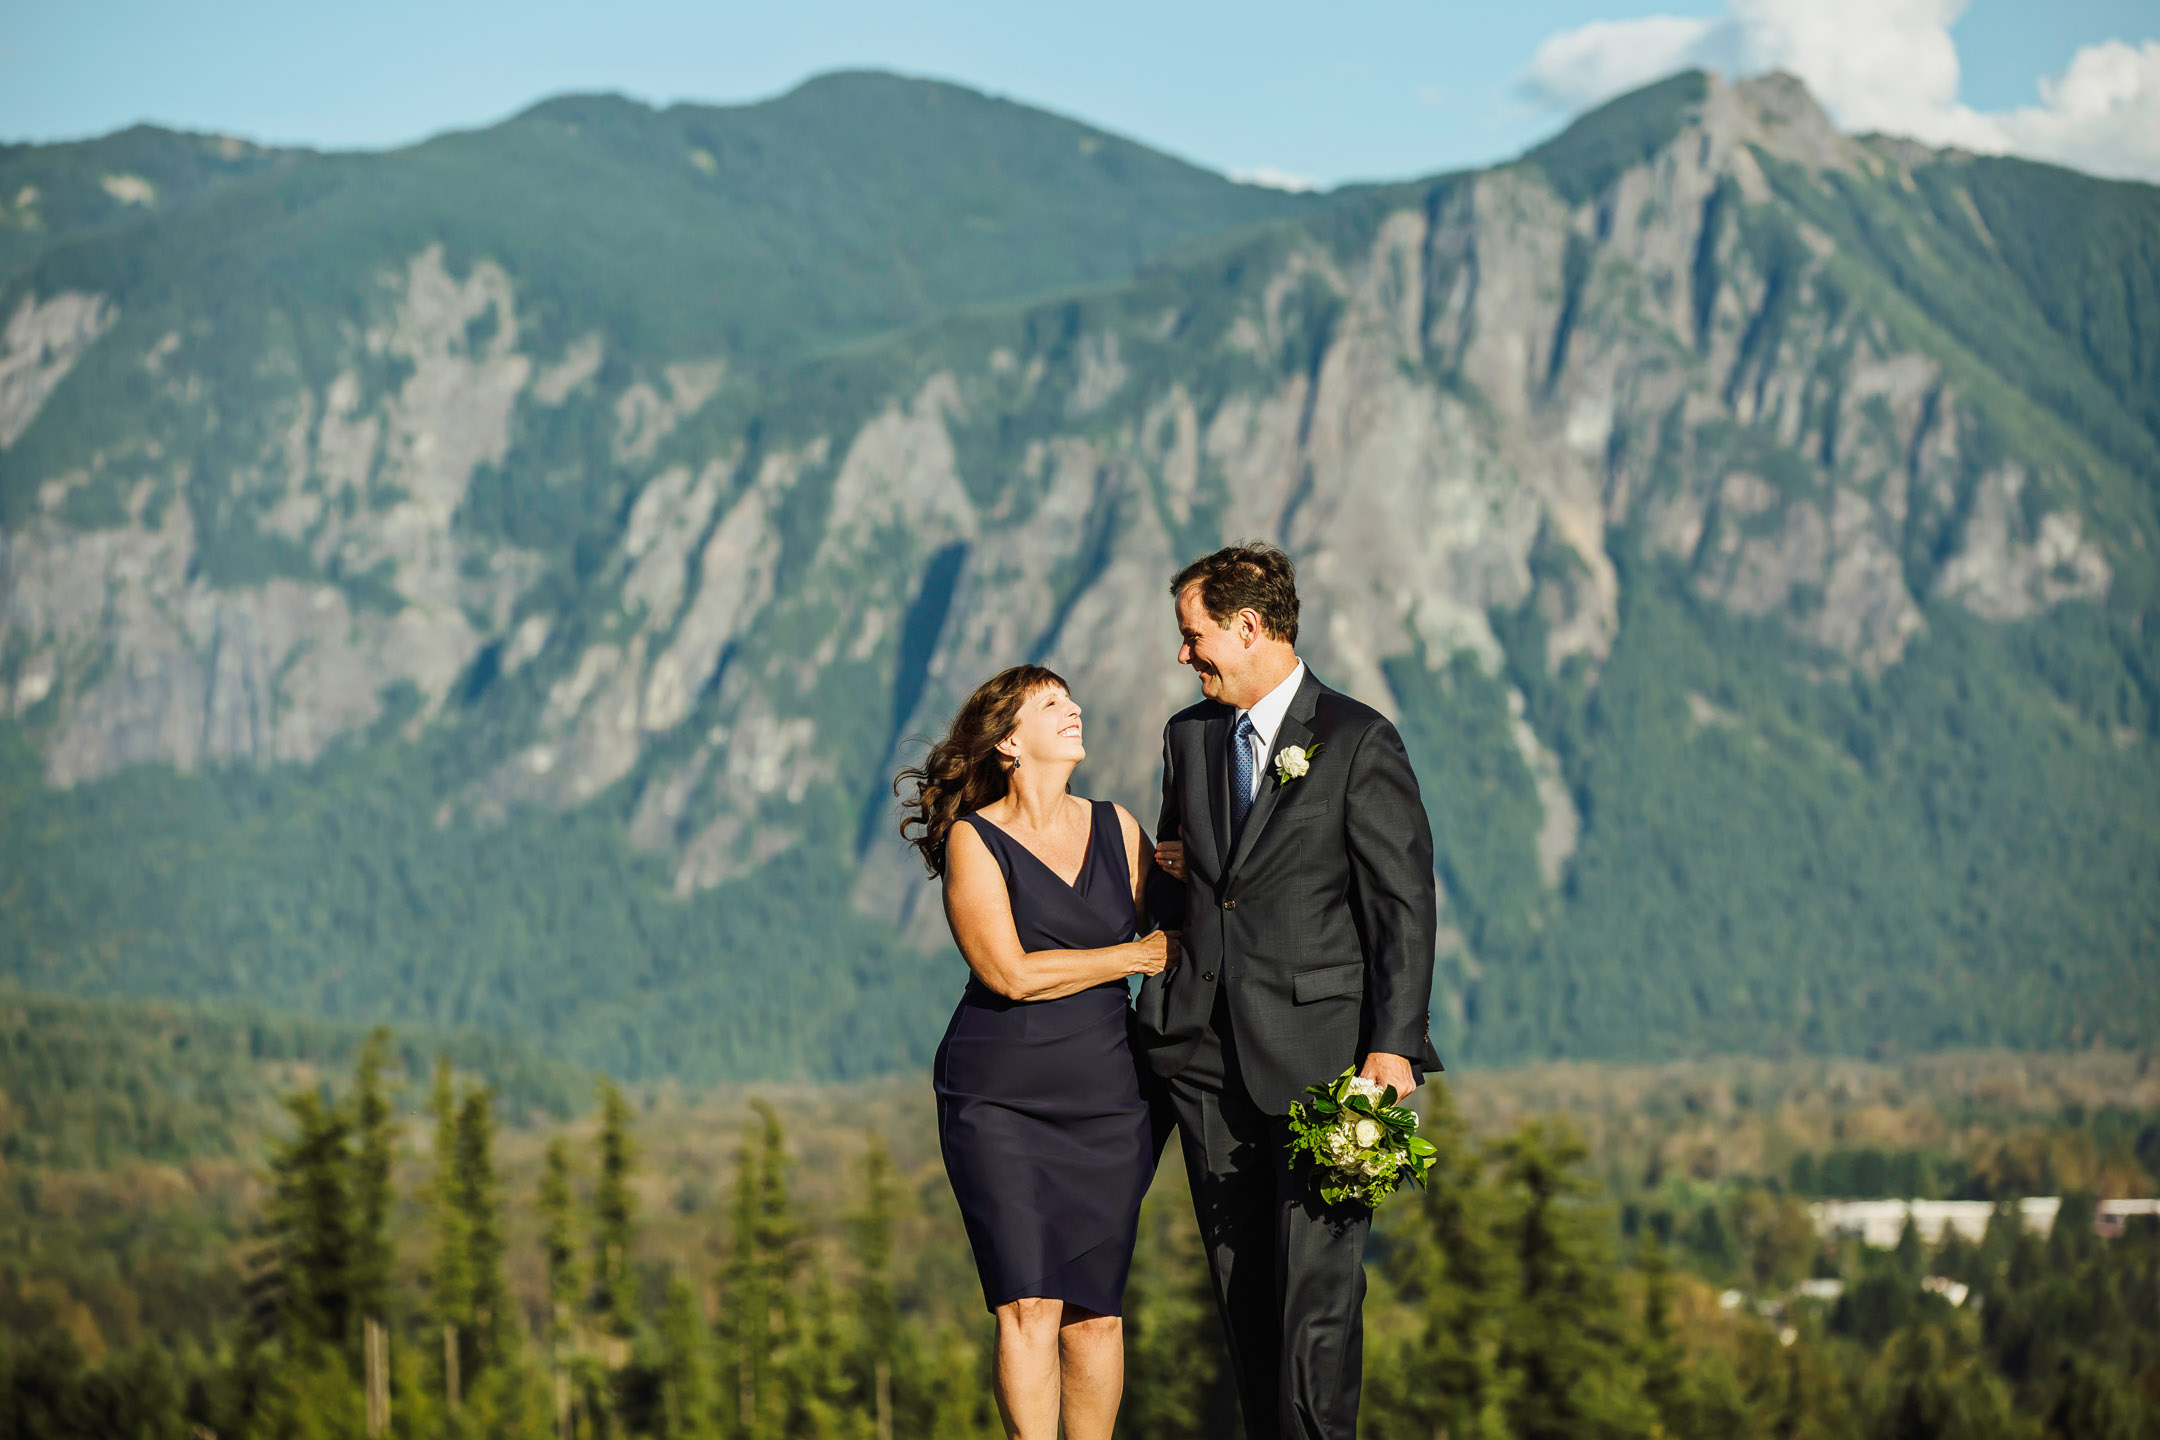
(1878, 1223)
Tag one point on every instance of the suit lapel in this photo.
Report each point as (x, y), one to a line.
(1216, 742)
(1293, 731)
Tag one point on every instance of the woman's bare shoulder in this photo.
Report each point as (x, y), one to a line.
(1126, 823)
(963, 841)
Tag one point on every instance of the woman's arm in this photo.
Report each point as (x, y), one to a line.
(1166, 892)
(1137, 863)
(980, 914)
(1140, 863)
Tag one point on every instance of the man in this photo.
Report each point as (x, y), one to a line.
(1307, 915)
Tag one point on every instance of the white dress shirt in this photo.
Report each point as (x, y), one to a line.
(1267, 717)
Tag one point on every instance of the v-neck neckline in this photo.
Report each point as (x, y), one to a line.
(1087, 851)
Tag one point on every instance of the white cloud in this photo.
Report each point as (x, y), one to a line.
(1605, 58)
(1888, 65)
(1268, 177)
(2102, 114)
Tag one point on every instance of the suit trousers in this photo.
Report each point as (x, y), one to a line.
(1289, 1272)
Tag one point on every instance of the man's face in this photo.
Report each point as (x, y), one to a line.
(1208, 648)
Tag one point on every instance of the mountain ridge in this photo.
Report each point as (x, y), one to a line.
(1771, 639)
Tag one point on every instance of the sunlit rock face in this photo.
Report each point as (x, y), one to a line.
(1493, 369)
(149, 659)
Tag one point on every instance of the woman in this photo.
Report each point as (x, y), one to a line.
(1040, 1115)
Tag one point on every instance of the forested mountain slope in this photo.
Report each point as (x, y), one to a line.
(508, 609)
(95, 1083)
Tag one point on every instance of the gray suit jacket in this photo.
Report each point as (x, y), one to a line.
(1320, 924)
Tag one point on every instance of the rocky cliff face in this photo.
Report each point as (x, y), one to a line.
(142, 657)
(1475, 410)
(1502, 379)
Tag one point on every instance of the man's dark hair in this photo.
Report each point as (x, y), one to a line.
(1251, 575)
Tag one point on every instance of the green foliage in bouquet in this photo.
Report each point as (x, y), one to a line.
(1355, 1143)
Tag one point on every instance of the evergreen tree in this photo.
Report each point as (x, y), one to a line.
(820, 1398)
(309, 1396)
(559, 1247)
(1909, 1257)
(614, 1219)
(1664, 1382)
(309, 1221)
(685, 1370)
(1173, 1344)
(451, 1277)
(1776, 1238)
(743, 1307)
(145, 1396)
(2005, 1228)
(374, 1252)
(959, 1404)
(1708, 1241)
(1566, 1338)
(488, 1330)
(579, 1381)
(777, 1238)
(764, 1257)
(877, 1313)
(780, 1231)
(2092, 1403)
(1926, 1385)
(1810, 1401)
(1456, 1275)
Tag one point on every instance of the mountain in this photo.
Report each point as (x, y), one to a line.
(493, 583)
(51, 195)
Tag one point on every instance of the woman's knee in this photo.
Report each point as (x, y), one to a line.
(1085, 1327)
(1031, 1315)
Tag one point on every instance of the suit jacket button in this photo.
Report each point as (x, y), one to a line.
(1229, 904)
(1207, 975)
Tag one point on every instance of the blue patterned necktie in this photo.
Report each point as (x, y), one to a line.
(1241, 776)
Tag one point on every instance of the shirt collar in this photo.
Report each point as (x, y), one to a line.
(1268, 711)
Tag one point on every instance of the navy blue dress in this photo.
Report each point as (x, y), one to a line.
(1040, 1114)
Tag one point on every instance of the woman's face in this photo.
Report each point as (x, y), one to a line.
(1047, 731)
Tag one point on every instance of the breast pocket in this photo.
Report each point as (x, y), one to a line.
(1291, 814)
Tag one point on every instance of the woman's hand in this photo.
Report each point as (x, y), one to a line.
(1153, 952)
(1170, 855)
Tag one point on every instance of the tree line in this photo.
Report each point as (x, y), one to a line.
(1508, 1303)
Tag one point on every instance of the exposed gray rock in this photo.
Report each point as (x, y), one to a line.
(1561, 826)
(645, 414)
(1102, 374)
(735, 582)
(664, 527)
(579, 363)
(40, 344)
(156, 664)
(1777, 113)
(2008, 570)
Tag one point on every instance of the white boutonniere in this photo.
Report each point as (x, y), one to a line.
(1291, 763)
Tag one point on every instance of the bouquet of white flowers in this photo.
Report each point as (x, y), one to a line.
(1356, 1142)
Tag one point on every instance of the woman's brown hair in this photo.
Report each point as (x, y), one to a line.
(964, 771)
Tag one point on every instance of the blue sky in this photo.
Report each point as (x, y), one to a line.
(1337, 92)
